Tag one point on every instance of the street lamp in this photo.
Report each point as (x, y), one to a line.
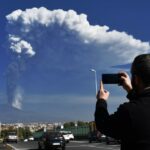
(0, 129)
(93, 70)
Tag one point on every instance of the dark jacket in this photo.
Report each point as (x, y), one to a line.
(130, 123)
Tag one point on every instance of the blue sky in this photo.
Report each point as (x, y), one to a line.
(47, 51)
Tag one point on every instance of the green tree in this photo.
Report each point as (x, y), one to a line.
(81, 123)
(27, 132)
(24, 133)
(69, 124)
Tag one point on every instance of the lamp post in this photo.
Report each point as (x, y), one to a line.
(0, 129)
(93, 70)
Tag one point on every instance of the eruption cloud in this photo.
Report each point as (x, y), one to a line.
(17, 101)
(27, 28)
(14, 92)
(20, 46)
(64, 40)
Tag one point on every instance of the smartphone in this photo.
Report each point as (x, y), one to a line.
(111, 79)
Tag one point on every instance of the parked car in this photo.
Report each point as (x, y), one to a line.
(11, 137)
(51, 140)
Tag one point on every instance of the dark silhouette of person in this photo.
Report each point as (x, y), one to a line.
(131, 122)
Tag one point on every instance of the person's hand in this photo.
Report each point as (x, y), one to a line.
(126, 82)
(102, 93)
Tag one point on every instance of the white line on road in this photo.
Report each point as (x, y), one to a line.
(100, 146)
(14, 148)
(11, 146)
(79, 141)
(96, 146)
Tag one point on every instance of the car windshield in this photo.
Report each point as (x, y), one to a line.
(11, 133)
(53, 134)
(65, 132)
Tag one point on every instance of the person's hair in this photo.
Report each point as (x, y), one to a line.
(141, 68)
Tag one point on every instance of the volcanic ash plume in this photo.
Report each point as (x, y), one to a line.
(13, 91)
(17, 101)
(63, 41)
(41, 31)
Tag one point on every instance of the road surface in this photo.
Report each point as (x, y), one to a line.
(73, 145)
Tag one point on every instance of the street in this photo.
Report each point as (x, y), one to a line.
(73, 145)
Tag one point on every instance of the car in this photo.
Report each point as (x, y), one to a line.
(66, 136)
(25, 140)
(52, 140)
(31, 138)
(11, 137)
(94, 137)
(71, 136)
(102, 138)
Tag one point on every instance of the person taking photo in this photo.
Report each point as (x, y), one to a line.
(131, 122)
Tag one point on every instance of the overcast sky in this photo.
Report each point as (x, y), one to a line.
(48, 48)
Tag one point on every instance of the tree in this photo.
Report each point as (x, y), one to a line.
(72, 124)
(81, 123)
(69, 124)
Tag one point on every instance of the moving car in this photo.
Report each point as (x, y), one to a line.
(11, 137)
(94, 137)
(31, 138)
(103, 138)
(25, 140)
(71, 136)
(68, 135)
(52, 140)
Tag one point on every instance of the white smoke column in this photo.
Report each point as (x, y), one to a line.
(15, 70)
(14, 91)
(17, 101)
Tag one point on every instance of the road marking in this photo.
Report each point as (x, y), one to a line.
(79, 141)
(11, 146)
(93, 145)
(96, 146)
(14, 148)
(74, 146)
